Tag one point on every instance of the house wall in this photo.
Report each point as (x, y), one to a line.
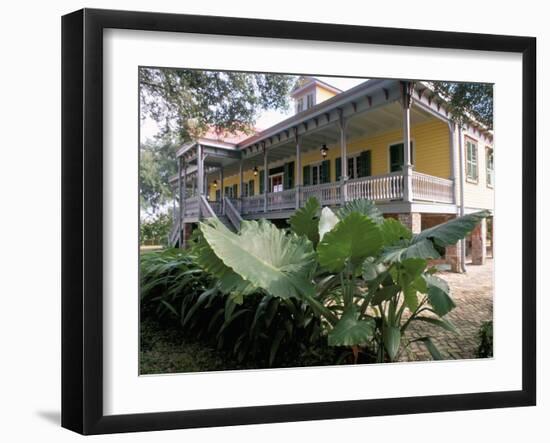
(322, 94)
(478, 195)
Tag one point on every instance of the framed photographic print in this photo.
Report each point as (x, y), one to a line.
(255, 209)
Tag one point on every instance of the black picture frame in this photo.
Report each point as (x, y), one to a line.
(82, 218)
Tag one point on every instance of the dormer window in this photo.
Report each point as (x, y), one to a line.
(300, 105)
(310, 101)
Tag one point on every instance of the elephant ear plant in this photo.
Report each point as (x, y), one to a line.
(367, 278)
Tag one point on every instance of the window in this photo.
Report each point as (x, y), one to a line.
(397, 157)
(490, 166)
(317, 174)
(300, 105)
(309, 103)
(471, 161)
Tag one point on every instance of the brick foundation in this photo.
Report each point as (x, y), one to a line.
(412, 220)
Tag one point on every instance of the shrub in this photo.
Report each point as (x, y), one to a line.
(155, 230)
(366, 278)
(485, 334)
(260, 328)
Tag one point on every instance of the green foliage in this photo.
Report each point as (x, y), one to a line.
(259, 330)
(468, 99)
(156, 166)
(186, 102)
(305, 221)
(155, 230)
(352, 240)
(485, 334)
(265, 256)
(367, 282)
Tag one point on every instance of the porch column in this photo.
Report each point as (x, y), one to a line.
(266, 177)
(342, 124)
(479, 243)
(453, 256)
(200, 171)
(183, 196)
(406, 95)
(452, 157)
(298, 184)
(180, 197)
(241, 181)
(222, 189)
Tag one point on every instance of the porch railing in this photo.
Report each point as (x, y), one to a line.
(192, 208)
(380, 187)
(386, 187)
(232, 213)
(253, 204)
(326, 193)
(278, 201)
(434, 189)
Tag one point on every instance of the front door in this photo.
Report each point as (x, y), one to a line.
(276, 184)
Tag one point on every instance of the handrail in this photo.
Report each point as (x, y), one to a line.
(206, 210)
(232, 214)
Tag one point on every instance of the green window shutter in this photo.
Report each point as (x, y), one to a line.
(251, 188)
(396, 157)
(306, 176)
(288, 179)
(235, 190)
(227, 191)
(218, 195)
(364, 164)
(262, 174)
(338, 166)
(325, 171)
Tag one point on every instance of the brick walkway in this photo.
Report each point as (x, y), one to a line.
(473, 295)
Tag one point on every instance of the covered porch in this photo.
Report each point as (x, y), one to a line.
(322, 133)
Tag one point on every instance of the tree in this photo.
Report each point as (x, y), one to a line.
(468, 100)
(157, 165)
(186, 101)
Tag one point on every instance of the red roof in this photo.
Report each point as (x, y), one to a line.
(229, 137)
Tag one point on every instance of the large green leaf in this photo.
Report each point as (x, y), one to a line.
(227, 280)
(372, 269)
(353, 239)
(393, 231)
(265, 256)
(350, 330)
(406, 249)
(392, 339)
(385, 293)
(327, 222)
(305, 221)
(438, 295)
(450, 232)
(362, 206)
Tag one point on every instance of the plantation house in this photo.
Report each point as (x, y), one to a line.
(340, 146)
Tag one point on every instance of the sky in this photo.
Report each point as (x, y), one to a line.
(266, 119)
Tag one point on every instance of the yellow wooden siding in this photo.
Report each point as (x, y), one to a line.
(323, 94)
(431, 154)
